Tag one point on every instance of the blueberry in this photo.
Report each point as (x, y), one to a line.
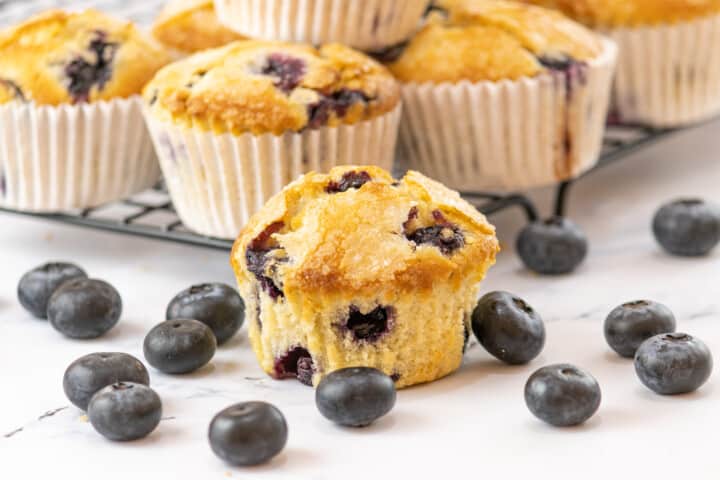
(562, 395)
(553, 247)
(349, 181)
(688, 228)
(370, 326)
(356, 396)
(37, 286)
(84, 308)
(630, 324)
(288, 71)
(88, 374)
(295, 363)
(248, 433)
(673, 363)
(215, 304)
(179, 346)
(508, 328)
(91, 70)
(125, 411)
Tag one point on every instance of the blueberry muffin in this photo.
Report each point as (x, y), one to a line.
(499, 94)
(59, 58)
(353, 268)
(70, 111)
(188, 26)
(660, 81)
(367, 25)
(233, 125)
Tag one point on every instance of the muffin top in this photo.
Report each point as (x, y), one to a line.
(60, 57)
(632, 13)
(492, 40)
(356, 231)
(272, 87)
(189, 26)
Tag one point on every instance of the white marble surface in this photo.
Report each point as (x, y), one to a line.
(472, 423)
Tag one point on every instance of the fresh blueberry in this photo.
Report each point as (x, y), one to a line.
(630, 324)
(179, 346)
(215, 304)
(125, 411)
(356, 396)
(508, 328)
(553, 247)
(88, 374)
(37, 286)
(562, 395)
(84, 308)
(673, 363)
(248, 433)
(689, 228)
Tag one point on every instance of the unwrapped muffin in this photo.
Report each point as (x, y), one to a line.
(363, 24)
(188, 26)
(233, 125)
(70, 114)
(669, 64)
(352, 268)
(503, 95)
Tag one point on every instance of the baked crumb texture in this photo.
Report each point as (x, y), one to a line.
(59, 57)
(271, 87)
(354, 268)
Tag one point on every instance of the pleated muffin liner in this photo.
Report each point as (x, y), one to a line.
(508, 134)
(362, 24)
(217, 181)
(59, 158)
(669, 75)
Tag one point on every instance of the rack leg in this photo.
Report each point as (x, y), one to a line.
(561, 195)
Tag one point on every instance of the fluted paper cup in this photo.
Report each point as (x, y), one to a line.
(217, 181)
(59, 158)
(668, 75)
(509, 134)
(362, 24)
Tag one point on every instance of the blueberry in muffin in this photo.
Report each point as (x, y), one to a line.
(352, 268)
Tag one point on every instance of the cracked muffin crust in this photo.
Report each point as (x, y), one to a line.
(60, 57)
(631, 13)
(272, 87)
(493, 40)
(189, 26)
(353, 268)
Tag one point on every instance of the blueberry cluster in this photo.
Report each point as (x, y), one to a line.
(565, 395)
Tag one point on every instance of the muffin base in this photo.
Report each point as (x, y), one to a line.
(362, 24)
(668, 76)
(425, 340)
(509, 134)
(55, 159)
(217, 181)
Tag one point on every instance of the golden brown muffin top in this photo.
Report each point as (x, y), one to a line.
(478, 40)
(272, 87)
(60, 57)
(356, 231)
(189, 26)
(632, 13)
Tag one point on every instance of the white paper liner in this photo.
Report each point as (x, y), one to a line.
(362, 24)
(668, 75)
(509, 134)
(73, 156)
(217, 181)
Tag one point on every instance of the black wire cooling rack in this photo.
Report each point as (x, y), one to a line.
(151, 214)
